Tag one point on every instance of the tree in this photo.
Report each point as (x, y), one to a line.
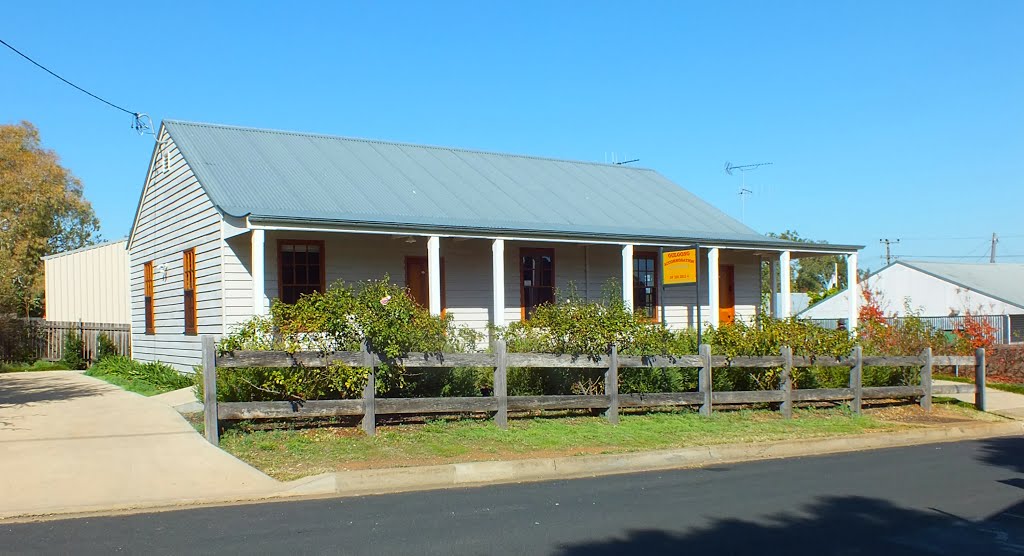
(42, 211)
(812, 275)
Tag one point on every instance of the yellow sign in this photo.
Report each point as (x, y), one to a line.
(679, 267)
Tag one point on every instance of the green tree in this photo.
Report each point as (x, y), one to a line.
(42, 211)
(810, 275)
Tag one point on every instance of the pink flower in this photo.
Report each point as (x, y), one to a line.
(384, 300)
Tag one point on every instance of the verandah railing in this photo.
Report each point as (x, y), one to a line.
(500, 403)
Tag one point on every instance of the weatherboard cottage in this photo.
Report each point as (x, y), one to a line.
(231, 218)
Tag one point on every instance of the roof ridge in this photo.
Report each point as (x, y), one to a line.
(404, 144)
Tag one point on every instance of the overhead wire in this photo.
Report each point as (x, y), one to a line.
(138, 122)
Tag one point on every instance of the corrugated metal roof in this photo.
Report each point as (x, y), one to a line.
(1003, 281)
(297, 176)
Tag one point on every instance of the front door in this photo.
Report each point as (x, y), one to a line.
(726, 294)
(417, 280)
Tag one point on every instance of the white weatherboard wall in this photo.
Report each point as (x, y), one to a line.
(88, 284)
(175, 214)
(467, 268)
(902, 286)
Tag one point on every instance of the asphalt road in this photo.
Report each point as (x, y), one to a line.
(960, 499)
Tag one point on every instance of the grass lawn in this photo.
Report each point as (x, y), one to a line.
(37, 366)
(293, 453)
(137, 385)
(1004, 386)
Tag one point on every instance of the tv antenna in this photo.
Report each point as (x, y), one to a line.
(744, 192)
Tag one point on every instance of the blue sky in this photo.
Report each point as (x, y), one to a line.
(882, 119)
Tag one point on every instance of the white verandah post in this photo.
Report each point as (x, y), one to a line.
(854, 291)
(434, 275)
(785, 275)
(498, 287)
(714, 302)
(259, 253)
(627, 276)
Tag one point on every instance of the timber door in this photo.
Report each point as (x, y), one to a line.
(417, 280)
(726, 294)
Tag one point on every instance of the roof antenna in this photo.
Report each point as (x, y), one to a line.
(627, 161)
(744, 192)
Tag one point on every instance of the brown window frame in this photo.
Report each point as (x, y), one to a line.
(655, 315)
(188, 286)
(537, 252)
(150, 316)
(280, 266)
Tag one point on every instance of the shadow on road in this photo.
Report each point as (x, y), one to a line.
(33, 388)
(1005, 452)
(833, 525)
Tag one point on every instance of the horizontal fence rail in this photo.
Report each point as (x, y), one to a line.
(500, 403)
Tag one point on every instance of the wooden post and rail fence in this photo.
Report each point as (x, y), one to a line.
(500, 403)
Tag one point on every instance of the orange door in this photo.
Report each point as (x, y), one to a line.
(726, 294)
(418, 283)
(416, 279)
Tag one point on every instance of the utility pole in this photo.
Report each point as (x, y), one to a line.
(995, 240)
(888, 253)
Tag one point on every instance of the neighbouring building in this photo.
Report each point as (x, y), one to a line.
(88, 284)
(941, 289)
(231, 218)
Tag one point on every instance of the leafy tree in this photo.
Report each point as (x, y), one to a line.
(42, 211)
(811, 275)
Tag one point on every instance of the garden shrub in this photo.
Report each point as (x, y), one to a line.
(73, 348)
(105, 347)
(378, 313)
(155, 373)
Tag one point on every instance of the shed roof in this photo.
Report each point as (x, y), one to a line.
(276, 175)
(1003, 281)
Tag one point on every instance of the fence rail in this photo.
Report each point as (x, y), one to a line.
(500, 403)
(47, 338)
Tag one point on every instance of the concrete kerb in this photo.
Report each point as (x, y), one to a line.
(384, 481)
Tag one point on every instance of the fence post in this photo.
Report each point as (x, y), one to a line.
(81, 336)
(926, 380)
(787, 382)
(210, 418)
(704, 378)
(501, 384)
(857, 380)
(611, 386)
(369, 394)
(979, 379)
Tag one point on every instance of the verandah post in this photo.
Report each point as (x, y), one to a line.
(611, 385)
(501, 384)
(787, 382)
(369, 394)
(857, 380)
(926, 379)
(211, 422)
(704, 378)
(979, 379)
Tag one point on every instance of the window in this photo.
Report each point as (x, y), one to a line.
(537, 278)
(645, 284)
(150, 317)
(300, 268)
(188, 274)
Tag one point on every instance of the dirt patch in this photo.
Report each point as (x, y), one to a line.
(915, 415)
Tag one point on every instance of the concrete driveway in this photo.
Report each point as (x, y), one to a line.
(1006, 404)
(72, 443)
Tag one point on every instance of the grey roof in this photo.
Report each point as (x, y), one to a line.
(1003, 281)
(276, 175)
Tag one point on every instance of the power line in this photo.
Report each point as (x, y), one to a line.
(134, 114)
